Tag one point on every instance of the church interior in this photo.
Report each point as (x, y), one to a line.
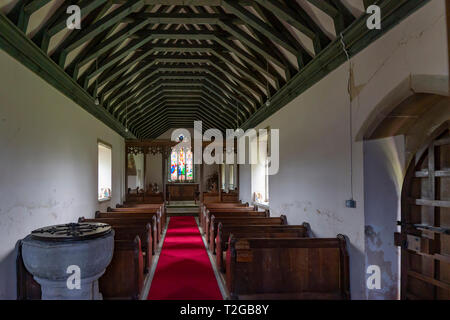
(224, 150)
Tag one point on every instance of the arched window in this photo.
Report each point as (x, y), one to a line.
(181, 165)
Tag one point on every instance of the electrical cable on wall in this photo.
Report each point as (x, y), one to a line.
(349, 203)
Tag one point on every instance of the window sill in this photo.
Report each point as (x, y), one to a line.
(264, 205)
(104, 199)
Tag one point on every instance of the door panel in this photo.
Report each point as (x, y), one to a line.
(425, 225)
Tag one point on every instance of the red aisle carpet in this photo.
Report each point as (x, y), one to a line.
(184, 271)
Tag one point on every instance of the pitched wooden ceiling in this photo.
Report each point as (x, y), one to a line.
(157, 64)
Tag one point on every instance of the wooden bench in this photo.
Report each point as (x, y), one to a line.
(225, 204)
(152, 208)
(204, 210)
(130, 220)
(254, 231)
(211, 197)
(27, 287)
(231, 214)
(124, 277)
(135, 215)
(139, 205)
(134, 197)
(153, 197)
(206, 214)
(293, 268)
(212, 233)
(129, 232)
(204, 207)
(230, 197)
(125, 231)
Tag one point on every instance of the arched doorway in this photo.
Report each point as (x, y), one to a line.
(392, 137)
(425, 221)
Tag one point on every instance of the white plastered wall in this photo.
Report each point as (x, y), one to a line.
(314, 177)
(48, 162)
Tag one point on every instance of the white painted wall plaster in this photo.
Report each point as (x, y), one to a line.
(48, 162)
(314, 177)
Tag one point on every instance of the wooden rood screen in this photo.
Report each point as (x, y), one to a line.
(425, 232)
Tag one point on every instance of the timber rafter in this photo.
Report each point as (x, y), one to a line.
(153, 64)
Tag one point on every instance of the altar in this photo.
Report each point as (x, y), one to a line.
(182, 191)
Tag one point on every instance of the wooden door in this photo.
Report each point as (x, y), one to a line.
(425, 225)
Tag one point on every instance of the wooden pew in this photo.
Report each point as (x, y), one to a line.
(124, 277)
(142, 222)
(214, 223)
(232, 214)
(135, 215)
(129, 232)
(137, 205)
(225, 204)
(150, 197)
(254, 231)
(233, 196)
(239, 211)
(218, 205)
(150, 208)
(132, 218)
(27, 287)
(134, 197)
(211, 197)
(223, 211)
(147, 208)
(293, 268)
(208, 211)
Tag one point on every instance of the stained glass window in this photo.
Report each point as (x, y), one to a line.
(181, 165)
(189, 166)
(173, 166)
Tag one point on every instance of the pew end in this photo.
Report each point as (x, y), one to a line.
(307, 226)
(116, 283)
(305, 268)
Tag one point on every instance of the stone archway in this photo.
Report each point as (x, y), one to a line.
(392, 135)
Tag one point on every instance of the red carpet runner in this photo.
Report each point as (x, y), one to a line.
(184, 271)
